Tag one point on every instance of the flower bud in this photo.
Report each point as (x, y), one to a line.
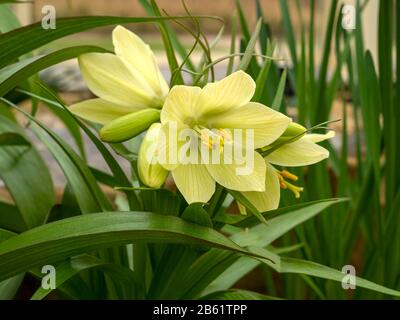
(151, 173)
(293, 132)
(129, 126)
(294, 129)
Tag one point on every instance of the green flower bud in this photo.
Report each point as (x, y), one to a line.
(294, 129)
(129, 126)
(293, 132)
(151, 173)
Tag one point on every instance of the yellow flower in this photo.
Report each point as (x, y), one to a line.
(151, 173)
(125, 82)
(212, 114)
(302, 151)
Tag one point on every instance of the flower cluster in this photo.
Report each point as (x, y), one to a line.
(202, 136)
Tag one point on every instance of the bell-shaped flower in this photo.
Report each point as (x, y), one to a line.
(300, 149)
(222, 121)
(151, 173)
(125, 82)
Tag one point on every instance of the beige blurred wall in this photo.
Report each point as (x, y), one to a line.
(24, 12)
(369, 23)
(223, 8)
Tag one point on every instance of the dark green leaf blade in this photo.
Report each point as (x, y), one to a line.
(12, 75)
(68, 237)
(27, 179)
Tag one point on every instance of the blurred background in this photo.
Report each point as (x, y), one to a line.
(349, 78)
(31, 12)
(66, 78)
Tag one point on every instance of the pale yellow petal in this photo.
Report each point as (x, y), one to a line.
(249, 176)
(267, 123)
(100, 111)
(302, 152)
(268, 199)
(316, 137)
(151, 173)
(169, 144)
(107, 77)
(181, 105)
(231, 92)
(139, 58)
(194, 182)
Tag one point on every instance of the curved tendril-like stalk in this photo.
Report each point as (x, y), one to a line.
(295, 138)
(205, 45)
(208, 51)
(197, 41)
(229, 56)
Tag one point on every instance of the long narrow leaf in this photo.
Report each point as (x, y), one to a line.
(68, 237)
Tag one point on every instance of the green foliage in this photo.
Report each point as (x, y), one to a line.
(155, 245)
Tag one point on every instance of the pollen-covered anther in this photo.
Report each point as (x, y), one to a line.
(295, 189)
(213, 139)
(288, 175)
(286, 185)
(282, 182)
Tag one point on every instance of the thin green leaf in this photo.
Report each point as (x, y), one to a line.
(312, 207)
(65, 238)
(276, 104)
(243, 200)
(27, 179)
(13, 139)
(88, 193)
(232, 48)
(228, 267)
(12, 75)
(248, 54)
(40, 95)
(8, 20)
(67, 270)
(298, 266)
(9, 287)
(263, 75)
(176, 43)
(119, 175)
(235, 294)
(287, 23)
(23, 40)
(243, 21)
(169, 50)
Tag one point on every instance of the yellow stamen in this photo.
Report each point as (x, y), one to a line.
(225, 134)
(286, 185)
(282, 182)
(283, 185)
(295, 189)
(213, 139)
(288, 175)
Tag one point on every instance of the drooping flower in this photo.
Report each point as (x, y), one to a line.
(151, 173)
(125, 82)
(302, 151)
(213, 114)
